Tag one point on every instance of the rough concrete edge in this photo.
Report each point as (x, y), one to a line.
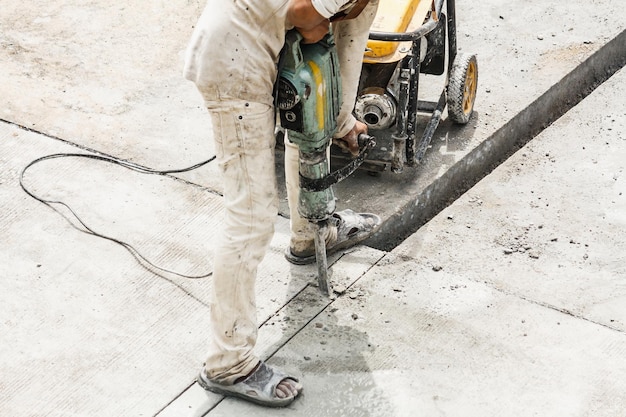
(503, 143)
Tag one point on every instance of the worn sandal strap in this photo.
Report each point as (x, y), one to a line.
(348, 221)
(265, 380)
(259, 388)
(351, 229)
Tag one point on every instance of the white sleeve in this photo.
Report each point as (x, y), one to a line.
(328, 8)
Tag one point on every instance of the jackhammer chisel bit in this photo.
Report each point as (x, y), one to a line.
(320, 257)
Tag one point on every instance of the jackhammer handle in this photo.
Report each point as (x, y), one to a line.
(366, 140)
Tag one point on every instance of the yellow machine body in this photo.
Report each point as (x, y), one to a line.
(396, 16)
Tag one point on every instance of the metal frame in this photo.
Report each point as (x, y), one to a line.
(406, 150)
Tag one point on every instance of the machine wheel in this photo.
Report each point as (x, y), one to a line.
(462, 88)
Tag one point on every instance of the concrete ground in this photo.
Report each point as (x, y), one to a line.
(508, 302)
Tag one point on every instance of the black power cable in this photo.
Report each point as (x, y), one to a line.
(143, 261)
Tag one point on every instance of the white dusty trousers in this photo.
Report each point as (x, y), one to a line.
(351, 39)
(244, 142)
(244, 145)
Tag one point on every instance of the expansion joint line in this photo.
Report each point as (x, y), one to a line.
(557, 309)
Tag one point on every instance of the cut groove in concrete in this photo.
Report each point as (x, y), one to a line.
(503, 143)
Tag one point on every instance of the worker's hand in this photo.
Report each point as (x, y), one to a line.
(350, 142)
(316, 33)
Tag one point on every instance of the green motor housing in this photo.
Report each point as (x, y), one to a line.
(309, 99)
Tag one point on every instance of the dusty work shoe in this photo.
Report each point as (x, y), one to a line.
(264, 386)
(352, 229)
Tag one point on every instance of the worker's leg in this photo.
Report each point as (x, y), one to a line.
(351, 38)
(301, 235)
(244, 144)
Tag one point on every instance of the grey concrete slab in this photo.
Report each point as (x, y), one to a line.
(85, 329)
(548, 224)
(89, 332)
(106, 76)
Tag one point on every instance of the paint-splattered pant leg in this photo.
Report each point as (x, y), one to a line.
(244, 144)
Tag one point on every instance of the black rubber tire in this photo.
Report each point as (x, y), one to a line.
(462, 88)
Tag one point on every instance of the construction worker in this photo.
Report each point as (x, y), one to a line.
(232, 59)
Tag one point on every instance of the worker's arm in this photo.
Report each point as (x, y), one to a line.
(312, 17)
(302, 14)
(307, 20)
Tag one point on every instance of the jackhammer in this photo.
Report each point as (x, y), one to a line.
(309, 99)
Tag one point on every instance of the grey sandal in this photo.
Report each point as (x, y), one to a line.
(352, 229)
(259, 388)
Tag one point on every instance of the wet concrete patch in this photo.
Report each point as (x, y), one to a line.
(298, 311)
(420, 341)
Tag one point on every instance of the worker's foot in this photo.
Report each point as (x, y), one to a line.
(349, 229)
(264, 386)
